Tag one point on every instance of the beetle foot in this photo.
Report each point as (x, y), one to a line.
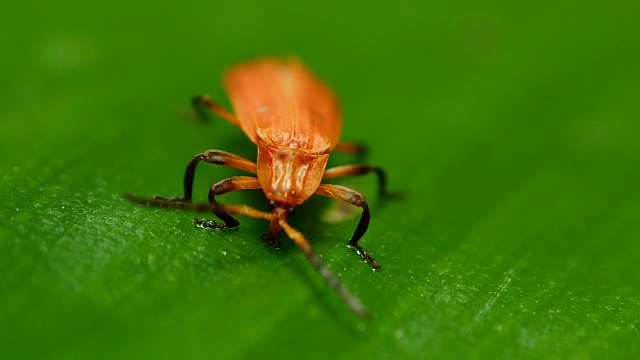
(273, 241)
(208, 224)
(365, 255)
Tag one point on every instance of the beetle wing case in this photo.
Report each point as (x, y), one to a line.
(279, 100)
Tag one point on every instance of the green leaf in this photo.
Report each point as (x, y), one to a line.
(510, 130)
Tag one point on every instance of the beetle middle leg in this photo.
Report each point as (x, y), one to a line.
(354, 198)
(222, 187)
(359, 169)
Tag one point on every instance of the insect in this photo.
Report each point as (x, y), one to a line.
(295, 122)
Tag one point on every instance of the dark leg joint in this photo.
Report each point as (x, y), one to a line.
(382, 178)
(215, 157)
(382, 181)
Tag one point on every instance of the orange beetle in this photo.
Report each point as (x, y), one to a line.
(294, 119)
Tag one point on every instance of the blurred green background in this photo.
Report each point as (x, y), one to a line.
(512, 129)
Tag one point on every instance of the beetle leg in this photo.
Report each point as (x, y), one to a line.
(222, 187)
(247, 211)
(199, 207)
(201, 101)
(349, 170)
(351, 147)
(271, 236)
(214, 157)
(354, 198)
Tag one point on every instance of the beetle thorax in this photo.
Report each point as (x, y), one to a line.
(288, 175)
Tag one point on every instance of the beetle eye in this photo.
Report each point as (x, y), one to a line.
(273, 203)
(291, 210)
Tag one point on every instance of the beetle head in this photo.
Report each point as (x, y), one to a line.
(289, 176)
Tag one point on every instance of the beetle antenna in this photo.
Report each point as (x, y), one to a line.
(170, 203)
(353, 303)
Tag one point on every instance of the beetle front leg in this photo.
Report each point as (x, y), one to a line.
(218, 157)
(354, 198)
